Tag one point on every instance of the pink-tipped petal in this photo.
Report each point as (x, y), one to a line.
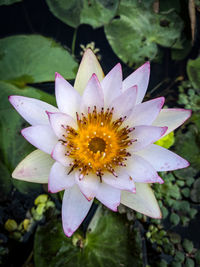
(124, 103)
(92, 95)
(34, 168)
(143, 201)
(112, 84)
(145, 113)
(32, 110)
(89, 65)
(172, 118)
(123, 181)
(145, 135)
(141, 170)
(88, 185)
(109, 196)
(140, 77)
(59, 122)
(162, 159)
(74, 209)
(68, 99)
(59, 153)
(40, 136)
(59, 179)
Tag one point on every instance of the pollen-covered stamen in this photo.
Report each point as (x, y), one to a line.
(99, 144)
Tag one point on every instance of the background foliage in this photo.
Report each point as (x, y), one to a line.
(40, 38)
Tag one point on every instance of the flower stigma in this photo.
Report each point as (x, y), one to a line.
(99, 144)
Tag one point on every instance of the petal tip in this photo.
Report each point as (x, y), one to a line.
(57, 75)
(68, 232)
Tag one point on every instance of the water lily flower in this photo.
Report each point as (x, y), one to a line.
(99, 141)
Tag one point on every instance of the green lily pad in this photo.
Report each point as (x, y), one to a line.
(105, 244)
(5, 181)
(13, 147)
(193, 71)
(26, 59)
(8, 2)
(76, 12)
(136, 32)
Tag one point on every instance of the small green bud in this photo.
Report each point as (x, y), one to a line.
(10, 225)
(41, 199)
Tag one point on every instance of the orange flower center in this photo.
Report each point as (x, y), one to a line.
(99, 144)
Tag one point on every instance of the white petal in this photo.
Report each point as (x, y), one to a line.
(145, 113)
(32, 110)
(109, 196)
(68, 99)
(88, 185)
(34, 168)
(162, 159)
(59, 121)
(40, 136)
(74, 209)
(89, 65)
(112, 84)
(145, 135)
(143, 201)
(172, 118)
(123, 181)
(59, 154)
(124, 103)
(141, 170)
(92, 95)
(59, 179)
(140, 77)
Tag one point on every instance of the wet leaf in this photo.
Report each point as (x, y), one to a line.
(26, 59)
(76, 12)
(135, 33)
(105, 244)
(8, 2)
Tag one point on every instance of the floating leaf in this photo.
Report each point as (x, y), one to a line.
(135, 33)
(76, 12)
(195, 192)
(26, 59)
(105, 244)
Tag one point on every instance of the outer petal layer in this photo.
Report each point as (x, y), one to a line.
(124, 103)
(40, 136)
(92, 95)
(112, 84)
(74, 209)
(32, 110)
(162, 159)
(145, 113)
(141, 170)
(68, 99)
(59, 178)
(145, 135)
(88, 185)
(143, 201)
(122, 182)
(34, 168)
(89, 65)
(59, 121)
(140, 77)
(172, 118)
(109, 196)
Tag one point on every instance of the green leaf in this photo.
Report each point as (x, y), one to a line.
(135, 33)
(5, 182)
(13, 147)
(195, 192)
(76, 12)
(26, 59)
(8, 2)
(174, 219)
(105, 244)
(193, 71)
